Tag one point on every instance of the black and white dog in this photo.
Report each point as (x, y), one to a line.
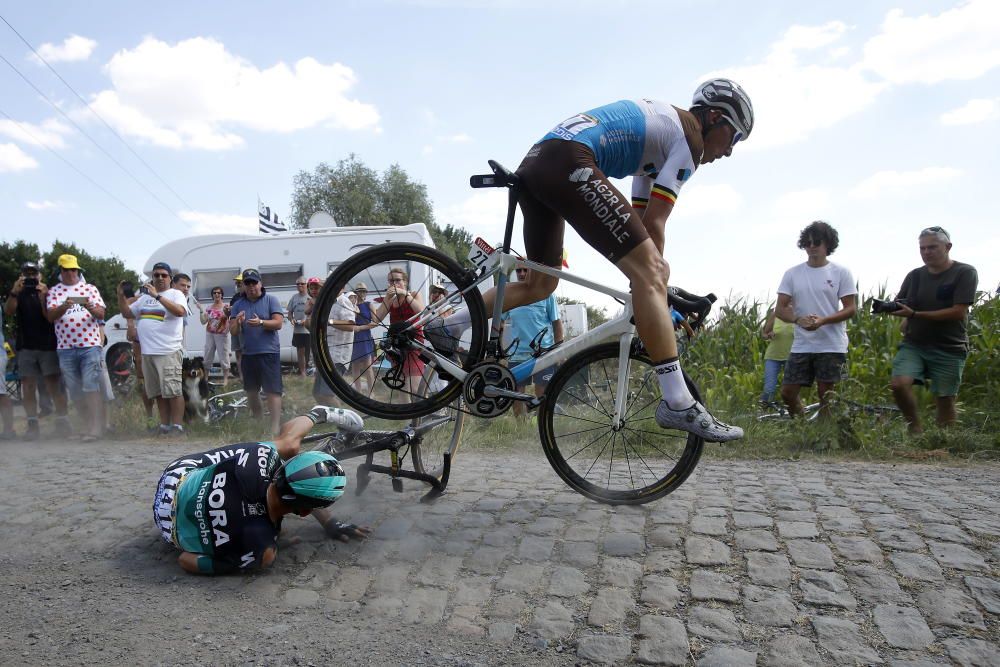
(195, 388)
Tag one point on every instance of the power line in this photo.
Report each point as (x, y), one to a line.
(99, 117)
(91, 139)
(79, 171)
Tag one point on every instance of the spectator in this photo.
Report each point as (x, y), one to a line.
(259, 317)
(35, 342)
(538, 322)
(152, 425)
(216, 321)
(364, 346)
(779, 334)
(934, 301)
(236, 337)
(300, 331)
(159, 315)
(6, 407)
(807, 297)
(76, 308)
(399, 303)
(182, 283)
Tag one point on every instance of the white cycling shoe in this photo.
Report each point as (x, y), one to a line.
(696, 419)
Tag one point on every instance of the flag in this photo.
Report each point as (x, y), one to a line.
(268, 224)
(565, 259)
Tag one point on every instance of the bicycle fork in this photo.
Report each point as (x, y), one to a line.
(624, 368)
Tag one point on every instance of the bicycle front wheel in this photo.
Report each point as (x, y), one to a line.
(627, 463)
(383, 376)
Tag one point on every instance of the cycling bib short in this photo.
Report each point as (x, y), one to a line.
(215, 503)
(565, 175)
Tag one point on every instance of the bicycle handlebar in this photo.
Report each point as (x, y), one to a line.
(686, 303)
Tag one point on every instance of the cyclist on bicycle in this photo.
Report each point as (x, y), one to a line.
(223, 508)
(564, 177)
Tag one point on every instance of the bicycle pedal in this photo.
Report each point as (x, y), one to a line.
(397, 485)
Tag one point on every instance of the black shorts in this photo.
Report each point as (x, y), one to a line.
(804, 367)
(300, 339)
(562, 183)
(261, 372)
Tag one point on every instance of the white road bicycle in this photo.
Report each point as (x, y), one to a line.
(596, 418)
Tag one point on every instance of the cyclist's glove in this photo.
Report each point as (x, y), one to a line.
(342, 531)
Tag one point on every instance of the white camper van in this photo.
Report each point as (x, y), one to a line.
(214, 260)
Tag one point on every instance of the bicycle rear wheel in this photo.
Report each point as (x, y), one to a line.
(388, 382)
(630, 463)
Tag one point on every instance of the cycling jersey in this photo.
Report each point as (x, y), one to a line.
(215, 503)
(642, 138)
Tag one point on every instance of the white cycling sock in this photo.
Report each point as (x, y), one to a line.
(672, 385)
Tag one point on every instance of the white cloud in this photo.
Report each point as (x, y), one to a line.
(50, 133)
(197, 94)
(962, 43)
(704, 200)
(890, 182)
(13, 158)
(792, 98)
(220, 223)
(72, 49)
(973, 111)
(47, 205)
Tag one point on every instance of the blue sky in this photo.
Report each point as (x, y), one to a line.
(880, 117)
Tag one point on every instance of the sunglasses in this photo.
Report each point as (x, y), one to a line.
(249, 282)
(300, 284)
(737, 135)
(216, 293)
(161, 275)
(815, 243)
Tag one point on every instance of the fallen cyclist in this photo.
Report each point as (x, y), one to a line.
(223, 508)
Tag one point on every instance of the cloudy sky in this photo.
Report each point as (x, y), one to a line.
(880, 117)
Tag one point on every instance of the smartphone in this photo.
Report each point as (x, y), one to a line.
(78, 300)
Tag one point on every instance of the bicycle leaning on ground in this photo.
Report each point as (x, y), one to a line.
(596, 418)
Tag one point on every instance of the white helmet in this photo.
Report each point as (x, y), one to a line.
(728, 97)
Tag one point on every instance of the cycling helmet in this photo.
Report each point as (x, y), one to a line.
(728, 97)
(310, 480)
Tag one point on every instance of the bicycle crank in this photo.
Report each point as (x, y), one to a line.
(489, 390)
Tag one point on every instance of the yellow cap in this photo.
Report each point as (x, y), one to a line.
(68, 262)
(239, 277)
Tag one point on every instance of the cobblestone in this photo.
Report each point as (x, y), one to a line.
(779, 563)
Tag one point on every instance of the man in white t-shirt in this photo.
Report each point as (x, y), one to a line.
(824, 297)
(159, 315)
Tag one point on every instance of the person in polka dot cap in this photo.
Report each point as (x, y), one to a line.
(76, 308)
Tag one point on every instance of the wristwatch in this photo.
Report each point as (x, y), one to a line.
(158, 297)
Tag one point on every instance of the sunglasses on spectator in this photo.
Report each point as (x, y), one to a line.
(300, 283)
(815, 243)
(521, 270)
(161, 275)
(214, 293)
(249, 282)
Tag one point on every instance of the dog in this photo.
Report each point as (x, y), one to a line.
(195, 389)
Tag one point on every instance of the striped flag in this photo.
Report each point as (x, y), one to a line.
(268, 224)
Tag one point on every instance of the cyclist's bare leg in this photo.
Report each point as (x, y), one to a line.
(902, 391)
(946, 413)
(648, 273)
(535, 288)
(790, 395)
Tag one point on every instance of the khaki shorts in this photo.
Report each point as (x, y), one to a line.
(162, 374)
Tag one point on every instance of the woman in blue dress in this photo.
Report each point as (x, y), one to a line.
(364, 345)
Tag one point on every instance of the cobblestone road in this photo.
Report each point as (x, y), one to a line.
(748, 563)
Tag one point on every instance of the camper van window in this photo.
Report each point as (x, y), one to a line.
(281, 276)
(206, 279)
(377, 277)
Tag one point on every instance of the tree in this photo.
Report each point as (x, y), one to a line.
(355, 194)
(595, 316)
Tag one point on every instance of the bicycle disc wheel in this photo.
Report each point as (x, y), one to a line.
(439, 433)
(630, 463)
(387, 382)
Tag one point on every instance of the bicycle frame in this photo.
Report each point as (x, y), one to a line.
(621, 327)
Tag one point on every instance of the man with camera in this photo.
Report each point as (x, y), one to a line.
(77, 309)
(35, 344)
(934, 303)
(159, 313)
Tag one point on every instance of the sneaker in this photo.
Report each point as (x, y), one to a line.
(176, 429)
(32, 433)
(697, 420)
(163, 429)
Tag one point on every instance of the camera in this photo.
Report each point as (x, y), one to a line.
(128, 290)
(30, 283)
(143, 290)
(879, 306)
